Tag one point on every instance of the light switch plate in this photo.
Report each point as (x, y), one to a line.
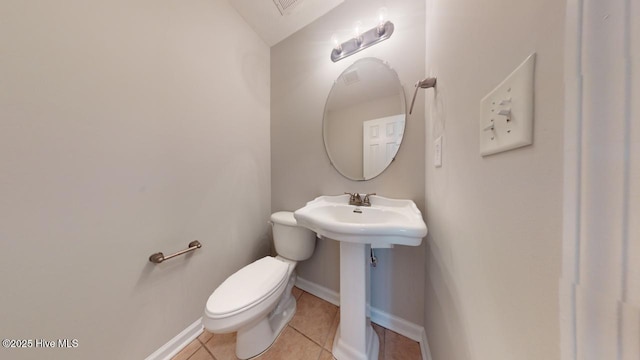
(506, 114)
(437, 152)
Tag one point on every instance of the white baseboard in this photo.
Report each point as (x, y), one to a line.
(171, 348)
(318, 290)
(396, 324)
(401, 326)
(424, 346)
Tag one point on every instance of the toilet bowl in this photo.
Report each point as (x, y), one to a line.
(256, 301)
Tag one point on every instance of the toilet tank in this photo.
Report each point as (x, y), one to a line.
(290, 240)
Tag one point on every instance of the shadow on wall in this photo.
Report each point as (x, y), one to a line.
(254, 71)
(394, 264)
(381, 283)
(447, 330)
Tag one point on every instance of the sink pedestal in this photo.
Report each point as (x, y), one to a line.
(355, 338)
(385, 223)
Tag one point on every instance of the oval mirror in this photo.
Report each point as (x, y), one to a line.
(364, 119)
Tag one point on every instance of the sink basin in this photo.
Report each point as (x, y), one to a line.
(385, 223)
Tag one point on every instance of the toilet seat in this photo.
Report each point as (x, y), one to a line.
(247, 287)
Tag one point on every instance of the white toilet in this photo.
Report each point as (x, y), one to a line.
(256, 301)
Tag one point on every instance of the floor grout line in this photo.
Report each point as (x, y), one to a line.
(326, 336)
(301, 333)
(205, 348)
(329, 333)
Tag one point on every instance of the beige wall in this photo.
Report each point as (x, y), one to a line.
(493, 259)
(126, 128)
(302, 75)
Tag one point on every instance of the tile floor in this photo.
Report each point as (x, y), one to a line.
(309, 336)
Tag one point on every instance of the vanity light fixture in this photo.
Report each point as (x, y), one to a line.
(362, 40)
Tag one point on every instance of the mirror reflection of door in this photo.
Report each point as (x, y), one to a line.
(381, 139)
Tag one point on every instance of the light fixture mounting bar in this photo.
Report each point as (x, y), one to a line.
(371, 37)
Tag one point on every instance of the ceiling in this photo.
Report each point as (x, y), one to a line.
(274, 20)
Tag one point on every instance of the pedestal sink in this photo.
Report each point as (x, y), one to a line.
(385, 223)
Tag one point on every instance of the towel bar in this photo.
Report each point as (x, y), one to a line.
(159, 257)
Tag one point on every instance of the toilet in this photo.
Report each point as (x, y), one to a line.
(256, 301)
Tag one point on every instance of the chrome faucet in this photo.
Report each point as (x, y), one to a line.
(355, 199)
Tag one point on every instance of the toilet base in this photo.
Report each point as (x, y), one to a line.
(255, 339)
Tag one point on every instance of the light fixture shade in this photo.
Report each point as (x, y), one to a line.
(357, 28)
(382, 19)
(357, 32)
(336, 43)
(383, 15)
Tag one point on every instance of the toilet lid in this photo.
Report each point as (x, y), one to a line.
(247, 286)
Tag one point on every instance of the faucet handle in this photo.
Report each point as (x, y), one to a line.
(354, 199)
(366, 201)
